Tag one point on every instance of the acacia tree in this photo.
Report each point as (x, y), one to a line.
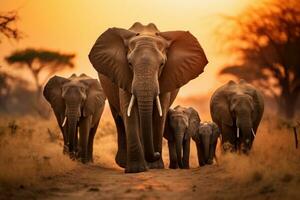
(7, 25)
(10, 31)
(39, 61)
(265, 43)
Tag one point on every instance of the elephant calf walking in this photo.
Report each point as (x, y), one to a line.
(78, 103)
(181, 124)
(206, 140)
(237, 109)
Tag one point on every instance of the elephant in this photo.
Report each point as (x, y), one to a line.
(141, 68)
(181, 124)
(78, 103)
(206, 140)
(237, 109)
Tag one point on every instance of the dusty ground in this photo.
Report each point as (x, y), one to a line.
(32, 167)
(95, 182)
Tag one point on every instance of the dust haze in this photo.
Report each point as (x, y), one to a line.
(32, 161)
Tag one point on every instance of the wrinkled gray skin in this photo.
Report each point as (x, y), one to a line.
(237, 109)
(206, 140)
(78, 103)
(141, 70)
(181, 124)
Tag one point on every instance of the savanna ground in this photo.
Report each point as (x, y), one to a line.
(32, 166)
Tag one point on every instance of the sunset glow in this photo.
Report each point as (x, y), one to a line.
(73, 26)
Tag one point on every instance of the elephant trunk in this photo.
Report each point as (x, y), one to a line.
(72, 113)
(247, 139)
(179, 140)
(206, 145)
(244, 127)
(206, 142)
(211, 154)
(145, 107)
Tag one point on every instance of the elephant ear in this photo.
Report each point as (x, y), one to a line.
(258, 101)
(258, 107)
(109, 56)
(168, 132)
(95, 97)
(194, 121)
(53, 93)
(220, 108)
(215, 131)
(185, 60)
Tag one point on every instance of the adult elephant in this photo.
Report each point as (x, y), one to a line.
(77, 102)
(142, 68)
(237, 109)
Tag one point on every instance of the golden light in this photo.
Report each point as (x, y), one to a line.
(73, 26)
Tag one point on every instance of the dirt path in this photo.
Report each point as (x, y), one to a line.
(33, 167)
(94, 182)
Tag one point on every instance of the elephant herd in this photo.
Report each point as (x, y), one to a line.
(141, 71)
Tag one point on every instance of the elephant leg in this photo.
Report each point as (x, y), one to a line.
(200, 155)
(228, 138)
(135, 155)
(186, 154)
(172, 155)
(122, 151)
(76, 145)
(73, 145)
(158, 129)
(84, 130)
(65, 137)
(91, 142)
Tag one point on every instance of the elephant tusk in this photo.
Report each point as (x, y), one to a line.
(158, 106)
(130, 105)
(237, 132)
(64, 122)
(253, 132)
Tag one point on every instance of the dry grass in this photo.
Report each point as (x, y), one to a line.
(34, 150)
(30, 148)
(273, 157)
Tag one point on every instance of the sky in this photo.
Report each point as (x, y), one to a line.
(72, 26)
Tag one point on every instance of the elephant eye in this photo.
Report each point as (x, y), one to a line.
(161, 64)
(82, 89)
(130, 64)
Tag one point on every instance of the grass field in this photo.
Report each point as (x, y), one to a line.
(31, 158)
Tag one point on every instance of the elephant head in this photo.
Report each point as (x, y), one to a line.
(207, 138)
(72, 98)
(183, 123)
(146, 62)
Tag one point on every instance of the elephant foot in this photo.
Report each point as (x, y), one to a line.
(84, 160)
(91, 160)
(228, 147)
(121, 159)
(65, 150)
(159, 164)
(136, 167)
(185, 167)
(72, 155)
(210, 162)
(173, 165)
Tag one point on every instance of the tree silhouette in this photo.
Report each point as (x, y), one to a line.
(39, 61)
(7, 26)
(10, 31)
(265, 42)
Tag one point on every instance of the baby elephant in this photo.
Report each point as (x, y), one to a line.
(77, 102)
(181, 124)
(206, 141)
